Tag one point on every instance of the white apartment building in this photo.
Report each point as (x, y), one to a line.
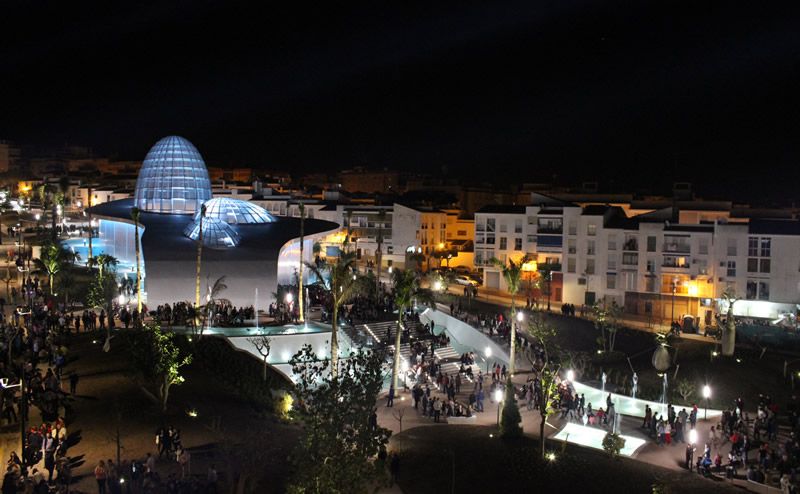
(650, 264)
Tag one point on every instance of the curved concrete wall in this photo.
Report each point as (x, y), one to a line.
(465, 334)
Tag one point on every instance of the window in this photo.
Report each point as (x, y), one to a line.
(571, 246)
(550, 225)
(518, 226)
(612, 262)
(590, 247)
(589, 266)
(703, 249)
(630, 281)
(490, 224)
(490, 239)
(503, 227)
(752, 290)
(570, 265)
(531, 239)
(766, 247)
(612, 242)
(531, 220)
(752, 265)
(389, 249)
(763, 290)
(591, 229)
(517, 244)
(611, 281)
(572, 229)
(763, 266)
(650, 284)
(630, 258)
(503, 243)
(731, 268)
(478, 257)
(461, 233)
(732, 247)
(651, 244)
(752, 246)
(651, 266)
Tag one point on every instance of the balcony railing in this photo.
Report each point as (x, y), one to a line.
(631, 245)
(676, 247)
(550, 230)
(674, 264)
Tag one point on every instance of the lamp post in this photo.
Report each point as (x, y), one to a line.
(674, 289)
(707, 396)
(405, 374)
(487, 353)
(498, 397)
(23, 414)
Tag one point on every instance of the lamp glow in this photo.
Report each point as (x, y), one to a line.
(520, 316)
(437, 285)
(289, 298)
(498, 395)
(488, 352)
(693, 436)
(706, 391)
(570, 375)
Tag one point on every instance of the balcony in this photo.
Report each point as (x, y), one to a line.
(550, 230)
(548, 243)
(631, 245)
(552, 267)
(679, 248)
(675, 262)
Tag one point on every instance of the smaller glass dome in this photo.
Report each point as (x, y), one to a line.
(216, 234)
(235, 211)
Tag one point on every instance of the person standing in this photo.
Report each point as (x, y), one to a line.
(73, 383)
(100, 475)
(394, 467)
(390, 400)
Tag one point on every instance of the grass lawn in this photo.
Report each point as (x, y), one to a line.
(432, 459)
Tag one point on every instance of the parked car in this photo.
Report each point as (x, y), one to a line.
(465, 280)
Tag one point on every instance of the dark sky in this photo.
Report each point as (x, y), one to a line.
(630, 93)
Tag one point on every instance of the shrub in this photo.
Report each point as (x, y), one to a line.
(613, 444)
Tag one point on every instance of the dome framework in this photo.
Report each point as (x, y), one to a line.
(235, 211)
(173, 178)
(216, 234)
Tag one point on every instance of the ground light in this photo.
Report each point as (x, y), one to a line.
(551, 456)
(707, 396)
(498, 396)
(487, 353)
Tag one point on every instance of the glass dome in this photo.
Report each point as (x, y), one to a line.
(173, 178)
(235, 211)
(216, 234)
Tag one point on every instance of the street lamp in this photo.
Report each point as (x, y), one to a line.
(487, 353)
(693, 437)
(405, 373)
(498, 396)
(707, 396)
(289, 298)
(520, 316)
(570, 375)
(674, 289)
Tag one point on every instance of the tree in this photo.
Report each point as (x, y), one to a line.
(342, 284)
(613, 444)
(544, 335)
(135, 213)
(729, 330)
(379, 249)
(686, 389)
(106, 262)
(51, 260)
(339, 445)
(199, 264)
(511, 419)
(263, 345)
(512, 274)
(300, 291)
(213, 292)
(158, 359)
(606, 319)
(405, 284)
(66, 283)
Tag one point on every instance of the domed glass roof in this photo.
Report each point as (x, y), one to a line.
(216, 234)
(173, 178)
(235, 211)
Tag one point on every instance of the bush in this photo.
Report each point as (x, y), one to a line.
(510, 420)
(613, 444)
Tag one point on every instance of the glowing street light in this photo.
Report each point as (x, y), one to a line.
(707, 396)
(520, 316)
(289, 298)
(693, 437)
(437, 285)
(570, 375)
(498, 396)
(405, 373)
(487, 353)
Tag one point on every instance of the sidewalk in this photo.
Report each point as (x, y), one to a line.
(503, 299)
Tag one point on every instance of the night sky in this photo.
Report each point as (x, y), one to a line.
(634, 94)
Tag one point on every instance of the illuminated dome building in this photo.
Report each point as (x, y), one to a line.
(173, 178)
(253, 249)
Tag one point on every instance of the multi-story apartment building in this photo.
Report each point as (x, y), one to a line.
(661, 265)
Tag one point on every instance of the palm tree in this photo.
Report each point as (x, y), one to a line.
(72, 256)
(105, 261)
(212, 297)
(135, 216)
(300, 276)
(379, 249)
(342, 284)
(512, 274)
(51, 260)
(199, 262)
(66, 283)
(406, 289)
(729, 330)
